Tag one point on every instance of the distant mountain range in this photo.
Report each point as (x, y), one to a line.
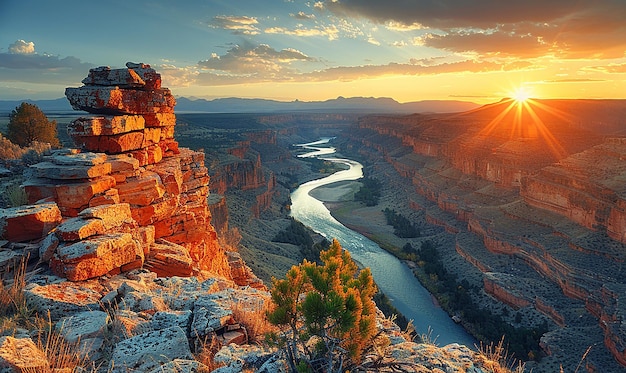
(366, 105)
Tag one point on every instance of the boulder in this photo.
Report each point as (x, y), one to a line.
(168, 259)
(31, 222)
(76, 196)
(83, 325)
(76, 229)
(181, 366)
(95, 256)
(21, 355)
(209, 316)
(105, 76)
(55, 171)
(150, 350)
(111, 216)
(61, 299)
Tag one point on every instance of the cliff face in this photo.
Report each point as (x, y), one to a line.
(129, 197)
(586, 187)
(555, 209)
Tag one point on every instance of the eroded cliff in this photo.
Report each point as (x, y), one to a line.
(534, 202)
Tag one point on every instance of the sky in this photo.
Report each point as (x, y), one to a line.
(409, 50)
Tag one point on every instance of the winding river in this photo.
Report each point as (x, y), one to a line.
(392, 276)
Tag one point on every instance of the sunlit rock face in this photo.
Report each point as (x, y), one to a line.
(128, 196)
(536, 205)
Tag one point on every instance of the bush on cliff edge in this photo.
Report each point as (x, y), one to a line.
(326, 312)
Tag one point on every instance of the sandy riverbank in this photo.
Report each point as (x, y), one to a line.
(368, 221)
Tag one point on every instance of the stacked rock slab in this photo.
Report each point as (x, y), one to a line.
(129, 197)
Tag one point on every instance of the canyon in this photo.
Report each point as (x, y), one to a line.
(527, 205)
(530, 206)
(534, 202)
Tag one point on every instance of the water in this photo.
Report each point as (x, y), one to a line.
(392, 276)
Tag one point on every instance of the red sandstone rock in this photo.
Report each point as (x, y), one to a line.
(66, 172)
(113, 144)
(26, 223)
(105, 125)
(160, 119)
(111, 216)
(142, 190)
(152, 213)
(171, 175)
(118, 101)
(148, 74)
(150, 155)
(108, 197)
(75, 229)
(95, 257)
(169, 259)
(105, 76)
(78, 195)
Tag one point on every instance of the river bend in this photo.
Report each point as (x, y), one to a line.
(392, 276)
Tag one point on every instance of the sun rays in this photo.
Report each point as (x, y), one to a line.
(522, 118)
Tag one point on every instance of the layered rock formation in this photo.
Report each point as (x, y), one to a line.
(129, 197)
(538, 213)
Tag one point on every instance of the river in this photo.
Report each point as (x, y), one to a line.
(392, 276)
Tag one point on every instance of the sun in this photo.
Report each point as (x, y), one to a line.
(521, 95)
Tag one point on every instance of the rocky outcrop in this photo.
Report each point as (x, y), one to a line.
(129, 196)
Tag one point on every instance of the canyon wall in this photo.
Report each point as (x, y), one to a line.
(548, 196)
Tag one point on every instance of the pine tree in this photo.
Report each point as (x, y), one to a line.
(28, 123)
(331, 305)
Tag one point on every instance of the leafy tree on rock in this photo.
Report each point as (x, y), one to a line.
(28, 123)
(326, 312)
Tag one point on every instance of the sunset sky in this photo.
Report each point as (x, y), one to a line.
(409, 50)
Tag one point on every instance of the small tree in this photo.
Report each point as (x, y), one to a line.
(27, 123)
(327, 312)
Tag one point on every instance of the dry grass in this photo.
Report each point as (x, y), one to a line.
(494, 359)
(207, 352)
(60, 353)
(253, 317)
(15, 313)
(13, 308)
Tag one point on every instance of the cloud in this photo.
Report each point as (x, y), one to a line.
(565, 28)
(303, 16)
(398, 26)
(22, 47)
(22, 56)
(373, 41)
(258, 64)
(574, 80)
(331, 32)
(455, 13)
(610, 69)
(239, 25)
(489, 43)
(260, 61)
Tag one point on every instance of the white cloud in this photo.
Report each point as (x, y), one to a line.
(331, 32)
(242, 25)
(22, 47)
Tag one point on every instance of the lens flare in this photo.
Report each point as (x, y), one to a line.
(521, 95)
